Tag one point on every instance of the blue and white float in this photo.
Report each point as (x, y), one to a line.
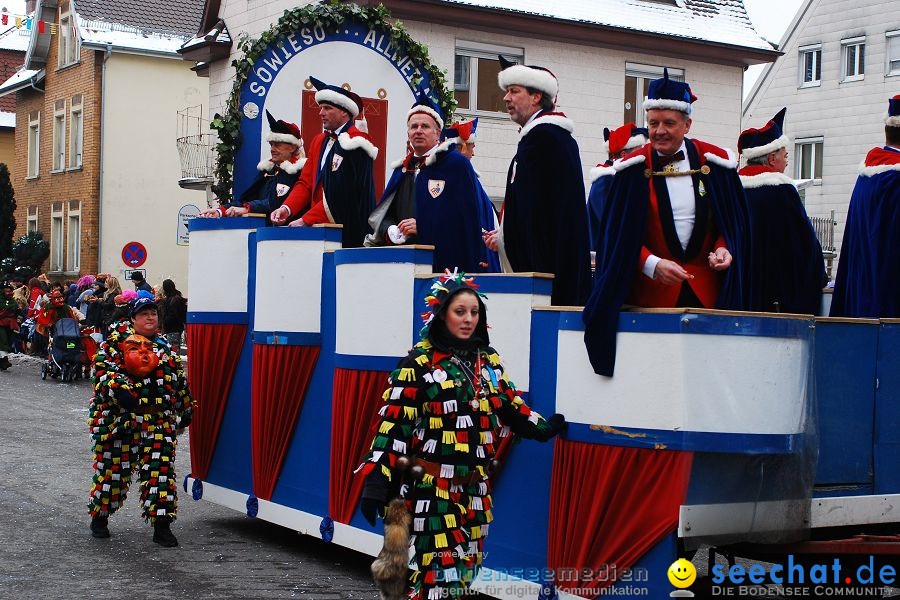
(726, 389)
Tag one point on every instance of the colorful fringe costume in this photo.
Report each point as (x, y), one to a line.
(142, 437)
(445, 413)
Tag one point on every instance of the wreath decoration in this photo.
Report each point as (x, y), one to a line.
(329, 14)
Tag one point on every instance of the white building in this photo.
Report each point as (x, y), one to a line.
(604, 53)
(840, 65)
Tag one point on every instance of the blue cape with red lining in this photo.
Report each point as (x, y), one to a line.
(623, 224)
(868, 277)
(788, 267)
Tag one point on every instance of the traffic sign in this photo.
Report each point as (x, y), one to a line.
(134, 254)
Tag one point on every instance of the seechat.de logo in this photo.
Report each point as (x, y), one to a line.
(682, 574)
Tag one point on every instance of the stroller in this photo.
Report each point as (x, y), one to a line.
(65, 351)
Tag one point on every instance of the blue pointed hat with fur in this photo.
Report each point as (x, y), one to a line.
(668, 94)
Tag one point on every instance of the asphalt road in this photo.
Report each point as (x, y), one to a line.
(48, 552)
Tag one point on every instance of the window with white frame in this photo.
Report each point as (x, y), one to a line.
(56, 237)
(76, 131)
(31, 223)
(34, 143)
(475, 76)
(853, 52)
(59, 135)
(637, 82)
(68, 44)
(811, 65)
(893, 53)
(808, 158)
(73, 236)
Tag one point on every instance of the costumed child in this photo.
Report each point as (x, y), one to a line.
(140, 398)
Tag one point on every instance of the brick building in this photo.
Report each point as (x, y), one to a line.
(96, 106)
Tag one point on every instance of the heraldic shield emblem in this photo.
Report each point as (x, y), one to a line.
(435, 187)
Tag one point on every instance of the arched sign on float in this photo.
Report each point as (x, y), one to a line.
(355, 56)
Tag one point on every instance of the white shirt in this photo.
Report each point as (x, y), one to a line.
(423, 157)
(684, 208)
(330, 143)
(533, 117)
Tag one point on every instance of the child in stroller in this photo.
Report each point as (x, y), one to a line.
(65, 351)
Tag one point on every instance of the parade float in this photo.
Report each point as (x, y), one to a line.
(741, 428)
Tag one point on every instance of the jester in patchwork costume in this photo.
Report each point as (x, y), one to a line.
(140, 399)
(447, 406)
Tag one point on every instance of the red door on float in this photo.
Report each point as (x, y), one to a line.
(376, 113)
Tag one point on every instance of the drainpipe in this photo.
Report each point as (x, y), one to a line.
(106, 56)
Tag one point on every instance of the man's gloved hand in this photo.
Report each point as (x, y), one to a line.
(125, 399)
(556, 425)
(374, 495)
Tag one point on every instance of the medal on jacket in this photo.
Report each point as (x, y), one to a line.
(701, 188)
(282, 188)
(336, 162)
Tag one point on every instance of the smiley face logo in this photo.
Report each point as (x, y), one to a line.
(682, 573)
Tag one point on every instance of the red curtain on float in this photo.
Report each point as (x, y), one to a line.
(281, 375)
(356, 400)
(609, 505)
(213, 353)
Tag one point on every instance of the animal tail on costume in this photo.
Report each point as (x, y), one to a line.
(389, 569)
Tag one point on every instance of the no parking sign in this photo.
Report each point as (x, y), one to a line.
(134, 254)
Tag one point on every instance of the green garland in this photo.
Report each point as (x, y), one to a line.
(329, 14)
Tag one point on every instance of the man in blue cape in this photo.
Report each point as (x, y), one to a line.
(336, 184)
(788, 267)
(544, 218)
(868, 278)
(619, 143)
(434, 198)
(277, 175)
(674, 229)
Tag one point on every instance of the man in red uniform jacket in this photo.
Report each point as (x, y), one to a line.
(336, 184)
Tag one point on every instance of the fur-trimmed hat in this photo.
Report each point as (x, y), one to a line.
(892, 118)
(754, 143)
(337, 96)
(529, 76)
(282, 131)
(464, 131)
(626, 137)
(668, 94)
(426, 105)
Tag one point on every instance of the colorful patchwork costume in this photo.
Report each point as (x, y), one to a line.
(136, 434)
(446, 410)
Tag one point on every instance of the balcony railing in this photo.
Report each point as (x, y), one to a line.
(824, 228)
(197, 160)
(196, 144)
